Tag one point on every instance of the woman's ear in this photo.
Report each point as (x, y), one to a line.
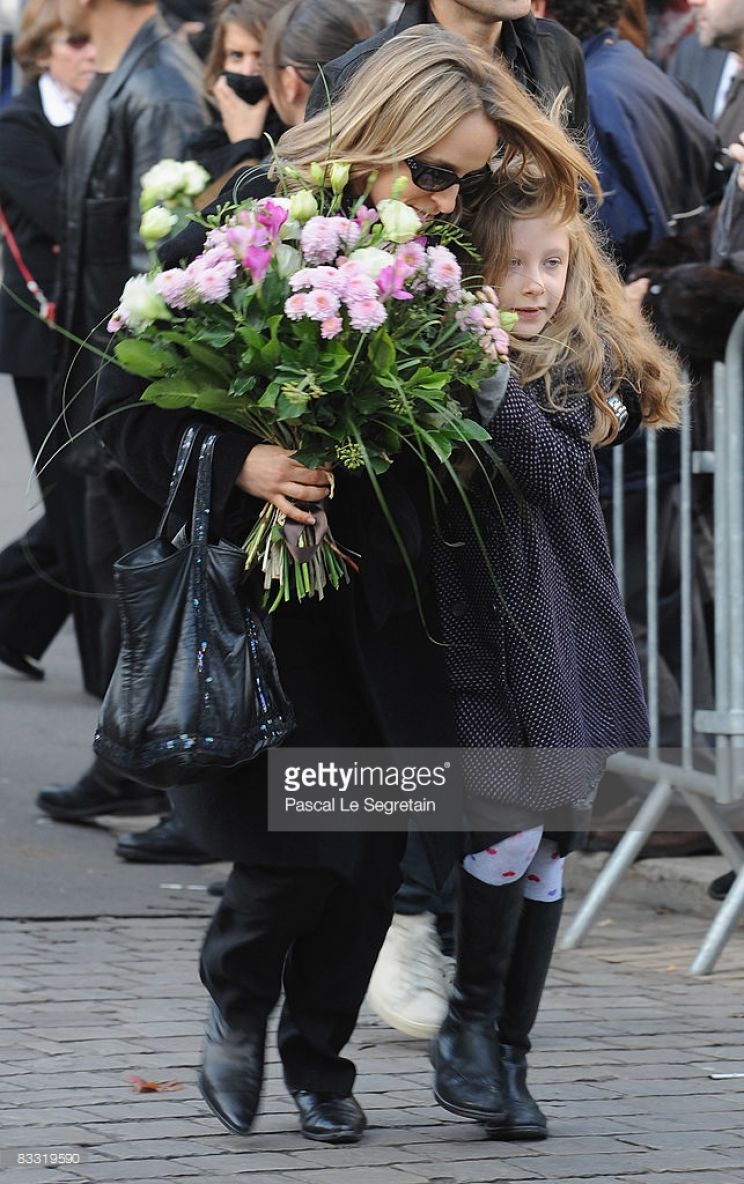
(295, 88)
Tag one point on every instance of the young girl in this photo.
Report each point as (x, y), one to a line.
(540, 655)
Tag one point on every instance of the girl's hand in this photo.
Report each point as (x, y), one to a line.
(241, 120)
(635, 293)
(270, 474)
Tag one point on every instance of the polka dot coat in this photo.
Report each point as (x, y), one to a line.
(540, 654)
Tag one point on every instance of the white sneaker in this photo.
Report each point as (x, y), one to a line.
(409, 988)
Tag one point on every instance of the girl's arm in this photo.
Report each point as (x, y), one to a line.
(546, 452)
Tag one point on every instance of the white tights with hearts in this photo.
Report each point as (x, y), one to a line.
(527, 856)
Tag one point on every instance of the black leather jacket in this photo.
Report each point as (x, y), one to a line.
(144, 111)
(542, 55)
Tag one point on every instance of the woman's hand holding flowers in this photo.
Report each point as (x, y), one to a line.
(270, 474)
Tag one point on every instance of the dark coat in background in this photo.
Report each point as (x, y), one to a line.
(543, 57)
(698, 68)
(31, 156)
(653, 149)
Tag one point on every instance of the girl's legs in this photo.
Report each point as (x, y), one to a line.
(528, 971)
(508, 915)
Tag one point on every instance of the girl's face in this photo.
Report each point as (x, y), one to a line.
(536, 278)
(466, 149)
(242, 52)
(70, 60)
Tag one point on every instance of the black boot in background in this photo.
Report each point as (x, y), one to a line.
(466, 1054)
(533, 950)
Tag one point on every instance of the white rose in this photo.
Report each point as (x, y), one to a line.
(162, 181)
(302, 206)
(288, 260)
(371, 260)
(195, 178)
(140, 304)
(400, 223)
(156, 223)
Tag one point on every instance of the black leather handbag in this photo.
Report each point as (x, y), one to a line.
(196, 688)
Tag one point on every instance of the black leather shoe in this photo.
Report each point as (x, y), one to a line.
(232, 1072)
(525, 1119)
(18, 661)
(99, 792)
(719, 888)
(167, 842)
(329, 1118)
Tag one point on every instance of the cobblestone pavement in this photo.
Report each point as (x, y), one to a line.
(624, 1052)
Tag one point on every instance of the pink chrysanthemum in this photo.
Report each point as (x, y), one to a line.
(357, 284)
(331, 327)
(321, 304)
(319, 240)
(174, 286)
(349, 232)
(444, 270)
(412, 254)
(366, 315)
(211, 284)
(294, 307)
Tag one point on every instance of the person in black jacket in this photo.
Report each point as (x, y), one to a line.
(33, 129)
(359, 666)
(141, 107)
(541, 55)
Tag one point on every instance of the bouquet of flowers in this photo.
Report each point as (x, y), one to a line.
(336, 334)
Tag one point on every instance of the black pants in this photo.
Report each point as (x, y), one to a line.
(318, 935)
(419, 892)
(33, 602)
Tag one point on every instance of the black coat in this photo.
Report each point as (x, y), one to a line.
(540, 653)
(31, 155)
(542, 55)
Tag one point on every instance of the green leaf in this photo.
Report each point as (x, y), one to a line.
(381, 351)
(313, 455)
(219, 338)
(211, 359)
(471, 430)
(169, 393)
(144, 358)
(241, 385)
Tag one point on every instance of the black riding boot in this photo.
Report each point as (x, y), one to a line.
(533, 949)
(466, 1053)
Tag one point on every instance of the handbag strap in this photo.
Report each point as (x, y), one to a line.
(203, 492)
(185, 449)
(46, 307)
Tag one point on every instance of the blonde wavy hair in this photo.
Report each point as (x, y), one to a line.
(413, 92)
(594, 331)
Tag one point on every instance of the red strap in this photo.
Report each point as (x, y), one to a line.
(46, 307)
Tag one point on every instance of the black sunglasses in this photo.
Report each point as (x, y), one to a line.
(433, 178)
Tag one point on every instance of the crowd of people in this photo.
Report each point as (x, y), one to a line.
(603, 195)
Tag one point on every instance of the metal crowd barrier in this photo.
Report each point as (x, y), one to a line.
(704, 792)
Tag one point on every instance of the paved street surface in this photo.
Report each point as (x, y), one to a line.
(98, 981)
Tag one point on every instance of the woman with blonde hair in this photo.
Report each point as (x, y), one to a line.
(310, 910)
(541, 659)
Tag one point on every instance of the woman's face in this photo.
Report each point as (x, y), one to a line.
(466, 149)
(538, 268)
(242, 52)
(70, 60)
